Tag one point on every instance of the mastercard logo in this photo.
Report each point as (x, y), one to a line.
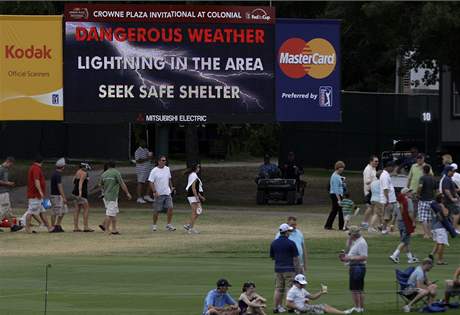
(316, 58)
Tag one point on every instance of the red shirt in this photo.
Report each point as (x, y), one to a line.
(35, 172)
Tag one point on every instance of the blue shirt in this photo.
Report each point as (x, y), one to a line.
(268, 170)
(217, 299)
(297, 237)
(283, 251)
(336, 184)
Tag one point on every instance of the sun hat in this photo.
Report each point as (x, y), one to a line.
(285, 227)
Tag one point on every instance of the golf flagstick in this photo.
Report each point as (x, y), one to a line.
(47, 266)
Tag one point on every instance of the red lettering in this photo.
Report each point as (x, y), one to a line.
(81, 33)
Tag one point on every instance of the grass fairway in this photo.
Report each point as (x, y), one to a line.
(169, 273)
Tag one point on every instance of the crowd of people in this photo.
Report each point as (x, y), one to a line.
(424, 199)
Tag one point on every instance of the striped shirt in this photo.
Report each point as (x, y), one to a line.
(144, 167)
(347, 206)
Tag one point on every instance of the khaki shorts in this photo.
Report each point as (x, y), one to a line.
(35, 206)
(377, 209)
(389, 211)
(111, 208)
(79, 201)
(58, 207)
(284, 280)
(5, 205)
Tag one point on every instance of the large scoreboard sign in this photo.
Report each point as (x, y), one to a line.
(169, 63)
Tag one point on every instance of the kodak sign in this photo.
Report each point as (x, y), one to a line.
(32, 52)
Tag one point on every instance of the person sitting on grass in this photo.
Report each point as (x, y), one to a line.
(298, 299)
(349, 209)
(406, 223)
(219, 302)
(418, 283)
(452, 286)
(250, 302)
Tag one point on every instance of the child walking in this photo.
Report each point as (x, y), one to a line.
(349, 209)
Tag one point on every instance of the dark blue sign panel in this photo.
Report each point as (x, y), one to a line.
(307, 70)
(173, 64)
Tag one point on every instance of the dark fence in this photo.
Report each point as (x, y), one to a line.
(370, 124)
(25, 140)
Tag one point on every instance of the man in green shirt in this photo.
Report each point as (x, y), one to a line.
(111, 182)
(416, 172)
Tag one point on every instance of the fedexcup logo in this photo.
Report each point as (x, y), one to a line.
(258, 14)
(316, 58)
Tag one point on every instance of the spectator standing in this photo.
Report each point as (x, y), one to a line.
(426, 192)
(80, 193)
(451, 198)
(143, 158)
(456, 176)
(369, 175)
(336, 195)
(162, 187)
(286, 256)
(6, 210)
(376, 206)
(36, 190)
(418, 283)
(356, 257)
(195, 196)
(405, 217)
(297, 237)
(57, 197)
(219, 302)
(387, 195)
(111, 182)
(438, 230)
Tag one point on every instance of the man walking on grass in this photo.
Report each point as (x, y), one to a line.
(387, 195)
(111, 182)
(160, 181)
(57, 197)
(286, 256)
(5, 187)
(144, 165)
(36, 189)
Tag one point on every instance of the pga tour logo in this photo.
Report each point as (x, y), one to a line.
(257, 14)
(325, 96)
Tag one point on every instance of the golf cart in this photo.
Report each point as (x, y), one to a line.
(280, 189)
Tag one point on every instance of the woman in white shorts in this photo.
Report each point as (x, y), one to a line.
(440, 237)
(194, 196)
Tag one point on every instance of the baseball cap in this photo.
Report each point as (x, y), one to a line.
(223, 283)
(455, 166)
(354, 230)
(60, 162)
(449, 168)
(285, 227)
(405, 190)
(300, 278)
(85, 165)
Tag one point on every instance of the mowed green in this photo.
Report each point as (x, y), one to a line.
(140, 272)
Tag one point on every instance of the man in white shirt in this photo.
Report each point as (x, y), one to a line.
(387, 195)
(161, 184)
(297, 299)
(143, 158)
(369, 175)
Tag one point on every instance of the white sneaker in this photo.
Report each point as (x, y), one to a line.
(349, 311)
(140, 200)
(372, 230)
(384, 232)
(187, 227)
(148, 198)
(170, 227)
(394, 259)
(406, 309)
(154, 228)
(414, 260)
(281, 309)
(359, 310)
(193, 231)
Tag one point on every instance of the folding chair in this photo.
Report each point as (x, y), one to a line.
(401, 284)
